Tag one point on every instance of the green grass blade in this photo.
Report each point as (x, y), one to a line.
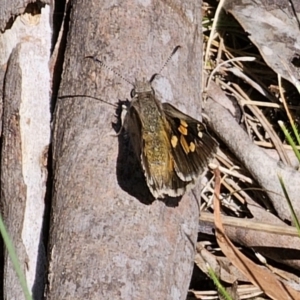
(290, 139)
(218, 284)
(14, 259)
(295, 219)
(296, 132)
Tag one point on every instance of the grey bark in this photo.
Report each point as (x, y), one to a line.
(105, 242)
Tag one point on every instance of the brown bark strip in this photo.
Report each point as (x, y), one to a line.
(13, 188)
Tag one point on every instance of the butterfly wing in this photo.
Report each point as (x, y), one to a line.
(155, 152)
(192, 147)
(174, 148)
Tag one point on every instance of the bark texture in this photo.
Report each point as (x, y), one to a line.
(106, 242)
(11, 9)
(13, 192)
(25, 132)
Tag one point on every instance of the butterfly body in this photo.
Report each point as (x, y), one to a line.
(167, 142)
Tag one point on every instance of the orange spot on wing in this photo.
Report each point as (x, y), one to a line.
(184, 144)
(192, 146)
(174, 141)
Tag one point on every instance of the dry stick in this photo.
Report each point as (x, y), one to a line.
(249, 103)
(270, 145)
(248, 224)
(244, 58)
(262, 278)
(261, 166)
(213, 29)
(256, 84)
(267, 126)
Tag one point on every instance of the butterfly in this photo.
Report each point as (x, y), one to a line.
(174, 149)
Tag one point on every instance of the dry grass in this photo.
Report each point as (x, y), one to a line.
(256, 102)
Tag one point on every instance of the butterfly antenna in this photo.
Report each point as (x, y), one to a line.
(171, 55)
(102, 64)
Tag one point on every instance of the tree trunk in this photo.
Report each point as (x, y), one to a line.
(25, 130)
(106, 242)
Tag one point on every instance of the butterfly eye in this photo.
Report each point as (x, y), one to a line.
(132, 93)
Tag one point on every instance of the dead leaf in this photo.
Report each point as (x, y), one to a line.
(260, 277)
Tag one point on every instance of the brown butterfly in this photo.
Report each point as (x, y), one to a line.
(174, 148)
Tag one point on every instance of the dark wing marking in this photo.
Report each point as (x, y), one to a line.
(194, 147)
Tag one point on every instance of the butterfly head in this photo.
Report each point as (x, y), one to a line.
(141, 86)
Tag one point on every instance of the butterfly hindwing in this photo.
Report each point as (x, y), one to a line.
(192, 147)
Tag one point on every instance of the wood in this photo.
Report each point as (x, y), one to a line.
(261, 166)
(105, 243)
(11, 9)
(25, 79)
(13, 188)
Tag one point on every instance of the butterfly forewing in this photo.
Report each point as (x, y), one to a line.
(151, 141)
